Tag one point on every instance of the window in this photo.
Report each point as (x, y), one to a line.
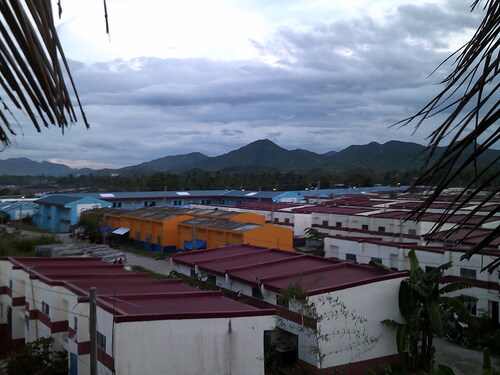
(158, 240)
(338, 224)
(287, 221)
(152, 204)
(75, 323)
(276, 220)
(325, 222)
(101, 341)
(381, 229)
(148, 237)
(282, 302)
(364, 226)
(45, 308)
(351, 257)
(145, 203)
(412, 232)
(137, 236)
(257, 293)
(468, 273)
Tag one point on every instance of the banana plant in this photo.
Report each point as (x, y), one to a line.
(424, 305)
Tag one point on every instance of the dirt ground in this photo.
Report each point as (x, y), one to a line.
(462, 361)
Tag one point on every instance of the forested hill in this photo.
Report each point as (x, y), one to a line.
(259, 156)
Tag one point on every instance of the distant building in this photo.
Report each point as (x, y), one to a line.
(18, 210)
(58, 213)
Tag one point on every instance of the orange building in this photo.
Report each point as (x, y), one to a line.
(211, 233)
(156, 228)
(148, 229)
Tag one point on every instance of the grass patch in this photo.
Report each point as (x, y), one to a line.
(18, 245)
(154, 275)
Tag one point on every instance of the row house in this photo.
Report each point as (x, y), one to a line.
(484, 286)
(315, 298)
(144, 326)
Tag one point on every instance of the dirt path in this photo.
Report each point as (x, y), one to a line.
(462, 361)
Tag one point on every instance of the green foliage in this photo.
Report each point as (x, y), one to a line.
(425, 310)
(36, 358)
(487, 367)
(443, 370)
(317, 238)
(15, 244)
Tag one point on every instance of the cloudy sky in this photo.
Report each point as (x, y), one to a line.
(175, 77)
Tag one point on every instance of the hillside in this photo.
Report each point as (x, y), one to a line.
(261, 155)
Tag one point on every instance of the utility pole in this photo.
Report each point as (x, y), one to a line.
(93, 331)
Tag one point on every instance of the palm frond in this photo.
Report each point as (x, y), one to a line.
(33, 67)
(471, 127)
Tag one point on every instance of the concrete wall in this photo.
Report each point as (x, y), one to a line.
(485, 285)
(189, 347)
(352, 319)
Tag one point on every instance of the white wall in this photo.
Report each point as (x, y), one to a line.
(193, 346)
(371, 303)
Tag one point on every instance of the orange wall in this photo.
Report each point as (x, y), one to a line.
(166, 229)
(249, 217)
(267, 236)
(270, 236)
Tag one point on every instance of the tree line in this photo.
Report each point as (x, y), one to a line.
(220, 180)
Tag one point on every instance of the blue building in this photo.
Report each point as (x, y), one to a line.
(58, 212)
(18, 210)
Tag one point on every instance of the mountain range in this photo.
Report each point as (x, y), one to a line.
(259, 156)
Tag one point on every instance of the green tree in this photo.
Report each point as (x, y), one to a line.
(36, 358)
(315, 241)
(425, 308)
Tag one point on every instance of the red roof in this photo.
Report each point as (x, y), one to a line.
(278, 269)
(333, 210)
(133, 297)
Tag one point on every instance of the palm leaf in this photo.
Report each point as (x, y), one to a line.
(406, 299)
(453, 287)
(436, 318)
(470, 99)
(414, 264)
(31, 73)
(402, 338)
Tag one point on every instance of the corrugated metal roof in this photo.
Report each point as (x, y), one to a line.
(141, 298)
(279, 269)
(59, 199)
(220, 224)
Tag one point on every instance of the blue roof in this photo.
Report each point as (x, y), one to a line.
(151, 194)
(58, 199)
(252, 194)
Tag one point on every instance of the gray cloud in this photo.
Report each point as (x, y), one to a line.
(332, 85)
